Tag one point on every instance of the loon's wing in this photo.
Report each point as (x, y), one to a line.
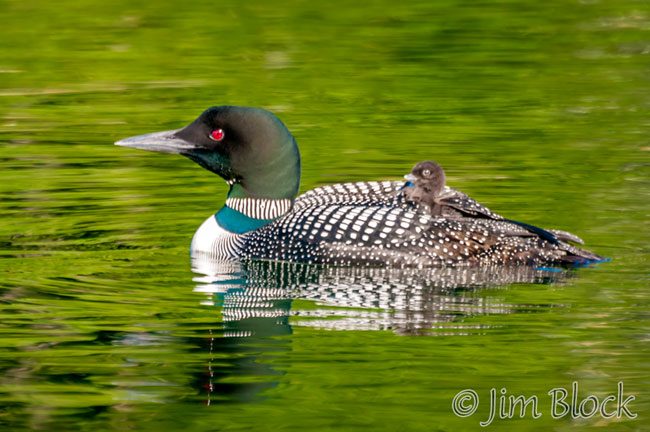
(380, 234)
(465, 206)
(390, 193)
(454, 203)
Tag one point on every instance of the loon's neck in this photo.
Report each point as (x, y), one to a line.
(243, 213)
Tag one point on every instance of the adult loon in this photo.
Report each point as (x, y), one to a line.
(365, 223)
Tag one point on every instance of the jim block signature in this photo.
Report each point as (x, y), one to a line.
(560, 403)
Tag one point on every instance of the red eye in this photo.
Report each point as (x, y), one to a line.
(217, 135)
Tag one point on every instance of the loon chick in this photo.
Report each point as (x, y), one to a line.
(343, 224)
(425, 185)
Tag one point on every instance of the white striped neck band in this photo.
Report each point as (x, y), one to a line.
(260, 208)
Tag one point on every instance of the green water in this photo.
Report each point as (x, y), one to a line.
(538, 110)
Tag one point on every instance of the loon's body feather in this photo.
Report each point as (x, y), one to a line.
(363, 223)
(368, 223)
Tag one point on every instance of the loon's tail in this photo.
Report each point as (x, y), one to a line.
(577, 257)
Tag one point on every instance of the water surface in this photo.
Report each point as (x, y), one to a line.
(537, 110)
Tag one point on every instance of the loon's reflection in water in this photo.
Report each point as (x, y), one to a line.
(408, 301)
(260, 301)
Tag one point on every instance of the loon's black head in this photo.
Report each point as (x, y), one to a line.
(249, 147)
(428, 176)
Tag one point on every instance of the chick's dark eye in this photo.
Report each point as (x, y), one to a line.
(217, 135)
(426, 173)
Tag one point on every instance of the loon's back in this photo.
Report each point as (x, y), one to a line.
(387, 193)
(368, 223)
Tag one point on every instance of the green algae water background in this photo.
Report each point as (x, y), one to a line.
(539, 110)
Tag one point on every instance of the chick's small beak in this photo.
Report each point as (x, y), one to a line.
(410, 177)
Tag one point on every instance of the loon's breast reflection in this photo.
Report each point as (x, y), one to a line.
(267, 298)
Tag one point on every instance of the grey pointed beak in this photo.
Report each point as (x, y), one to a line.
(163, 142)
(410, 177)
